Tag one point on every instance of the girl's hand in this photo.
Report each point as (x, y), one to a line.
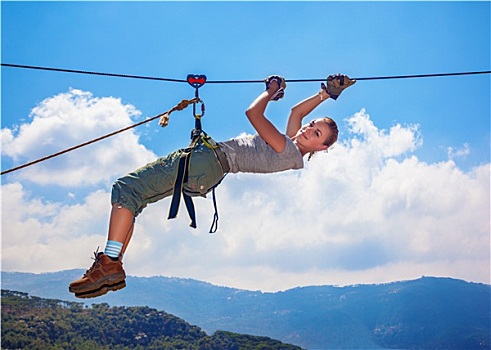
(336, 84)
(275, 86)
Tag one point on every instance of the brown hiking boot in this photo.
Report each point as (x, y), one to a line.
(104, 275)
(101, 291)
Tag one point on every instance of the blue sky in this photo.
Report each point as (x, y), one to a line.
(401, 140)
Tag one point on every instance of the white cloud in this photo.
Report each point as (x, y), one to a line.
(69, 119)
(453, 153)
(368, 211)
(41, 236)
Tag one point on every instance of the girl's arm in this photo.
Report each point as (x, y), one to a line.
(301, 110)
(334, 86)
(255, 113)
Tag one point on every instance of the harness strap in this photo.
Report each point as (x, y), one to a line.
(190, 207)
(181, 178)
(214, 224)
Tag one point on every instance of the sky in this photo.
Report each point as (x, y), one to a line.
(404, 193)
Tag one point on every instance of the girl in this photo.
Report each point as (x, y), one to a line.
(266, 152)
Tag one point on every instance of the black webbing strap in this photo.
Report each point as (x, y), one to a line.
(181, 178)
(190, 207)
(214, 224)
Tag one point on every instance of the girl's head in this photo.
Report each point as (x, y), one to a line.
(318, 135)
(333, 127)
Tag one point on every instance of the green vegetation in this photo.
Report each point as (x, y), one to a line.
(30, 322)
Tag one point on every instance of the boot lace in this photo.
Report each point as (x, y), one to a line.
(96, 262)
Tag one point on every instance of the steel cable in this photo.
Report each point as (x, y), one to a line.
(185, 81)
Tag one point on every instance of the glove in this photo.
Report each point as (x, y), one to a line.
(336, 85)
(281, 83)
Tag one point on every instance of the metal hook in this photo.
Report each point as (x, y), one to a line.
(197, 81)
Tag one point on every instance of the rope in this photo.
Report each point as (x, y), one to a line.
(180, 106)
(237, 81)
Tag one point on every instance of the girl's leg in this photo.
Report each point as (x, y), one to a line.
(121, 224)
(154, 182)
(128, 238)
(107, 273)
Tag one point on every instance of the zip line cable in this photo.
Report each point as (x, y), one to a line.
(185, 81)
(91, 73)
(234, 81)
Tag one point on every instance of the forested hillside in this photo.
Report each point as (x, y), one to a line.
(29, 322)
(427, 313)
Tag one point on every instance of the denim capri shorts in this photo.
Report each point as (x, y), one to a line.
(156, 180)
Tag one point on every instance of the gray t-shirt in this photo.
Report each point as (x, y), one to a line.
(251, 154)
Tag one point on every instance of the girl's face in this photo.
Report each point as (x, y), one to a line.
(311, 137)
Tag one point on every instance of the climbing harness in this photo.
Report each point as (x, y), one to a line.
(199, 138)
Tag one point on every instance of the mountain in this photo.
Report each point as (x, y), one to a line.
(427, 313)
(30, 322)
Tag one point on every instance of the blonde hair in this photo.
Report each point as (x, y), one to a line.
(333, 137)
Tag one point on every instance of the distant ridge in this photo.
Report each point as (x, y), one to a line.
(427, 313)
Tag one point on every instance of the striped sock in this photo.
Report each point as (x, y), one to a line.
(113, 249)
